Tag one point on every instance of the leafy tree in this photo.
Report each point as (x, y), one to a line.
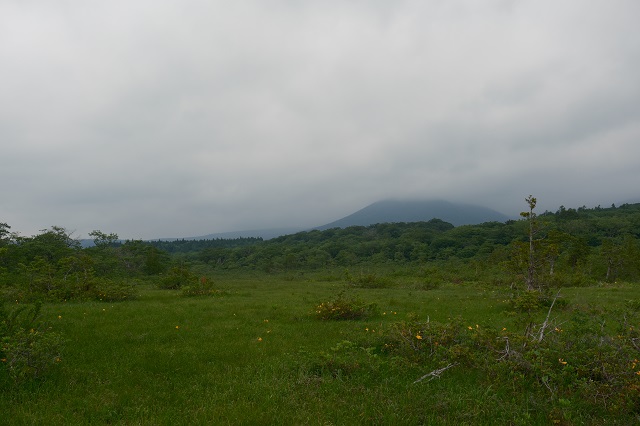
(532, 263)
(5, 235)
(102, 240)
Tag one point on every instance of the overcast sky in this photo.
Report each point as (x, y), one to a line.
(174, 118)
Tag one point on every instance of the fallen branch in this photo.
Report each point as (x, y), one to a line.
(546, 320)
(507, 351)
(435, 373)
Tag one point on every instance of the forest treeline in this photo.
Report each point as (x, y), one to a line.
(572, 247)
(598, 243)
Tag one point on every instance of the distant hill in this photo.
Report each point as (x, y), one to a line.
(389, 211)
(265, 234)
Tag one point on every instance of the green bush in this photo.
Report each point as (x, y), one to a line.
(117, 290)
(177, 277)
(344, 307)
(201, 287)
(369, 280)
(29, 348)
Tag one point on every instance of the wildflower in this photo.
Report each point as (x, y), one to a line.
(419, 337)
(177, 327)
(504, 328)
(59, 316)
(470, 328)
(366, 329)
(561, 361)
(259, 339)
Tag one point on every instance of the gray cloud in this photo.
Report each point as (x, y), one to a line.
(169, 118)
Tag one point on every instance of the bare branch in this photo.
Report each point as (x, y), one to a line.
(546, 320)
(435, 373)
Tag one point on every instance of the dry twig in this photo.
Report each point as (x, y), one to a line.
(546, 320)
(435, 373)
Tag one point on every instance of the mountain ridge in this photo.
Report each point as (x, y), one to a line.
(388, 211)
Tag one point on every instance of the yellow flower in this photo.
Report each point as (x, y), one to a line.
(470, 328)
(259, 339)
(561, 361)
(59, 316)
(177, 327)
(419, 337)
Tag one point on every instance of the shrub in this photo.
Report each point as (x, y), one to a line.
(114, 290)
(344, 307)
(29, 347)
(201, 287)
(177, 277)
(366, 280)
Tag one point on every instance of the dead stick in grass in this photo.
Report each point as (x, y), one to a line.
(546, 320)
(435, 373)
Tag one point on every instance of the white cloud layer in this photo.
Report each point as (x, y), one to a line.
(172, 118)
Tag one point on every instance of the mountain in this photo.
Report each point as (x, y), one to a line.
(417, 211)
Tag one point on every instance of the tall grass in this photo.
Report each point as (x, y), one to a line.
(258, 355)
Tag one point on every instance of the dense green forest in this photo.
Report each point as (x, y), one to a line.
(571, 246)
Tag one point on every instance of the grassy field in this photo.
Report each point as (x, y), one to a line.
(257, 354)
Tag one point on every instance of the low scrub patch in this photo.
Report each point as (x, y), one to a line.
(202, 287)
(367, 280)
(345, 307)
(29, 347)
(114, 290)
(576, 369)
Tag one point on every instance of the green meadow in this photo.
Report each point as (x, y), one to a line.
(535, 321)
(256, 352)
